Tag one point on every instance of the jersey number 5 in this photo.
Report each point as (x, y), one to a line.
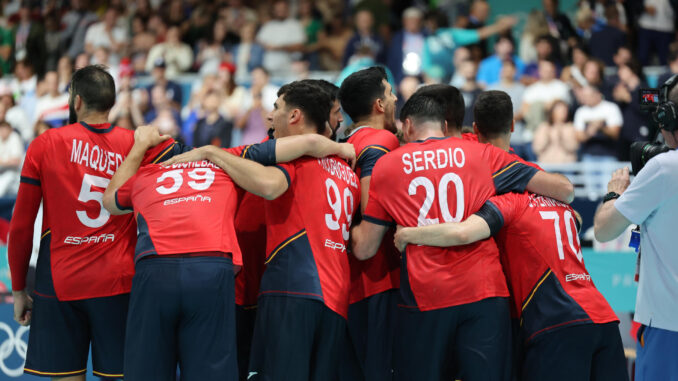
(87, 194)
(448, 178)
(332, 219)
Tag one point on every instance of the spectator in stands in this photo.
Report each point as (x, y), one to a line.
(594, 73)
(406, 88)
(143, 38)
(212, 128)
(461, 54)
(236, 15)
(258, 103)
(540, 95)
(332, 43)
(40, 128)
(555, 141)
(469, 90)
(488, 71)
(173, 89)
(232, 96)
(598, 123)
(559, 25)
(211, 52)
(656, 30)
(673, 67)
(24, 86)
(161, 104)
(442, 42)
(626, 94)
(479, 12)
(53, 106)
(508, 84)
(76, 21)
(573, 74)
(623, 55)
(11, 153)
(14, 115)
(535, 26)
(546, 48)
(107, 34)
(407, 45)
(585, 24)
(312, 23)
(283, 40)
(605, 42)
(52, 40)
(248, 54)
(178, 56)
(29, 40)
(365, 37)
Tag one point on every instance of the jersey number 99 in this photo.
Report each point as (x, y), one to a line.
(334, 199)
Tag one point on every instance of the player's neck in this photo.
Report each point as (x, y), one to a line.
(499, 142)
(427, 133)
(374, 121)
(94, 118)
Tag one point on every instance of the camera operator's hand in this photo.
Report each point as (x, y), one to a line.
(620, 181)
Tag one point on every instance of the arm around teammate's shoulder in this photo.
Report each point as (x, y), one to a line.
(473, 229)
(552, 185)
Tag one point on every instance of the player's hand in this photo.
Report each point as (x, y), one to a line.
(620, 181)
(399, 238)
(196, 154)
(23, 306)
(149, 136)
(347, 152)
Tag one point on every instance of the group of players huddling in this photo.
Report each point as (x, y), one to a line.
(446, 258)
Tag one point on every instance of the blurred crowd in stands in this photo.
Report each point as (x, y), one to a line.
(207, 71)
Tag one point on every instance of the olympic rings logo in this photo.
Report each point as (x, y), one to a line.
(13, 342)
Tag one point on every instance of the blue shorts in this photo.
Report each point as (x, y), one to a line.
(296, 339)
(581, 352)
(61, 331)
(244, 324)
(656, 354)
(371, 324)
(468, 342)
(182, 312)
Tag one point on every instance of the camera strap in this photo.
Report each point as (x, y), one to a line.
(635, 244)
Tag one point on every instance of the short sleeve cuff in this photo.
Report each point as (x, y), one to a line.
(287, 174)
(119, 206)
(378, 221)
(491, 214)
(30, 180)
(626, 209)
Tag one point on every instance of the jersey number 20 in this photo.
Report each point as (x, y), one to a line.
(428, 186)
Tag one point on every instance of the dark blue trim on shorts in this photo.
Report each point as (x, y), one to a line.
(378, 221)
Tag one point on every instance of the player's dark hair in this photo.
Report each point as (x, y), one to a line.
(422, 108)
(450, 99)
(330, 88)
(493, 113)
(312, 100)
(95, 86)
(359, 91)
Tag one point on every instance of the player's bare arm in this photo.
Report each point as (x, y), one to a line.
(608, 223)
(366, 239)
(286, 149)
(266, 182)
(552, 185)
(145, 137)
(448, 234)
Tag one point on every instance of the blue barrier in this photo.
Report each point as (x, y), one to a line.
(613, 274)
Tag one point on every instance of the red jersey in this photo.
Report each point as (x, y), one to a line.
(543, 263)
(90, 251)
(308, 230)
(381, 272)
(184, 208)
(444, 180)
(250, 227)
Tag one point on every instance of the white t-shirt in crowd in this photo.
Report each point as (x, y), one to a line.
(605, 110)
(50, 108)
(97, 36)
(547, 92)
(662, 20)
(652, 202)
(280, 33)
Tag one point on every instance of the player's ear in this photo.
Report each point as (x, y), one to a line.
(295, 116)
(513, 125)
(78, 102)
(379, 105)
(475, 128)
(445, 127)
(408, 129)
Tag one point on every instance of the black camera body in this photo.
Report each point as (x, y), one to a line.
(664, 114)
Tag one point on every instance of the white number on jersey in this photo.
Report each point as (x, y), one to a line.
(206, 175)
(88, 194)
(570, 224)
(428, 186)
(332, 219)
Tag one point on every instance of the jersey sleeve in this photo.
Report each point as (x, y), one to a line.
(263, 153)
(164, 151)
(288, 169)
(500, 211)
(375, 211)
(367, 158)
(30, 173)
(510, 174)
(123, 196)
